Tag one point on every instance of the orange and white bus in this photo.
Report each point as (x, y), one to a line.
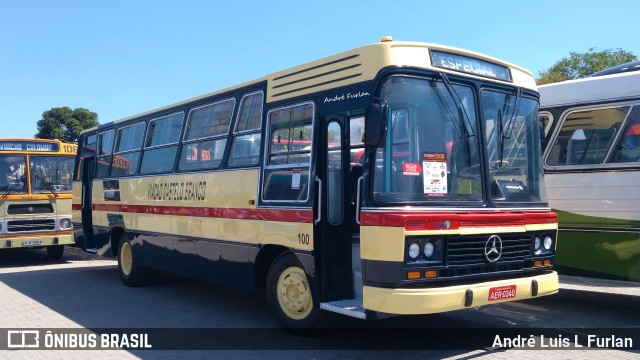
(35, 194)
(395, 178)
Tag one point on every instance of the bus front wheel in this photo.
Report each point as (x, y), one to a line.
(131, 273)
(290, 296)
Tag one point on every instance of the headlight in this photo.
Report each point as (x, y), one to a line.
(548, 242)
(428, 249)
(536, 243)
(65, 224)
(414, 250)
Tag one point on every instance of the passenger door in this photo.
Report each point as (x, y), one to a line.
(333, 212)
(88, 174)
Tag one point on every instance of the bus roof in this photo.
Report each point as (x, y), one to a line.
(614, 87)
(356, 66)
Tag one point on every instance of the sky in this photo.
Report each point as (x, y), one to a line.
(123, 57)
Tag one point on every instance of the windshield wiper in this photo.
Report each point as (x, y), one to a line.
(505, 130)
(52, 189)
(462, 113)
(15, 186)
(508, 128)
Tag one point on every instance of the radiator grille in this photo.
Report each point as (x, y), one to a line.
(465, 255)
(31, 225)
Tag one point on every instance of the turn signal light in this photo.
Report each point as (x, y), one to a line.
(430, 274)
(412, 275)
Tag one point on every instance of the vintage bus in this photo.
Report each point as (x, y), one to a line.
(35, 194)
(592, 171)
(395, 178)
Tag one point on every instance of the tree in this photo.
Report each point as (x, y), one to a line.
(579, 65)
(65, 124)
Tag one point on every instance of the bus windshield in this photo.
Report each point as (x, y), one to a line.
(513, 146)
(51, 173)
(432, 152)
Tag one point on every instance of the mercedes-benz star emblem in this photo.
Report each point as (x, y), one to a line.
(493, 248)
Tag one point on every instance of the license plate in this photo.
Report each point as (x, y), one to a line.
(502, 292)
(31, 242)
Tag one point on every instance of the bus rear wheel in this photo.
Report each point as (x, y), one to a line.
(290, 296)
(55, 252)
(131, 273)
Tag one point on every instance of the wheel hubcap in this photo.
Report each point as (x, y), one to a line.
(294, 295)
(126, 258)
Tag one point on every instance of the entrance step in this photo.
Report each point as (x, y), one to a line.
(349, 307)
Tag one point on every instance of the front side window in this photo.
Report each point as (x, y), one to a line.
(512, 137)
(288, 151)
(51, 173)
(431, 152)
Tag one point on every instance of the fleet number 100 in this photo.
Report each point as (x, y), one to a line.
(303, 239)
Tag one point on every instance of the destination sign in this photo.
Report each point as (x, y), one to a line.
(35, 146)
(469, 65)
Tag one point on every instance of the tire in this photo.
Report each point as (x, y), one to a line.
(131, 273)
(55, 252)
(290, 295)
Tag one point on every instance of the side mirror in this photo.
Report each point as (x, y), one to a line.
(375, 124)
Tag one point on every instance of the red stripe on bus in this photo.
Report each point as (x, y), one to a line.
(447, 220)
(284, 215)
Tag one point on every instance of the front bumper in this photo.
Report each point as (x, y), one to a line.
(441, 299)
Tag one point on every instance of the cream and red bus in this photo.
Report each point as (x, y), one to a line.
(395, 178)
(35, 194)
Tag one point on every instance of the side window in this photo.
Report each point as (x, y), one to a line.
(245, 144)
(206, 136)
(161, 144)
(127, 152)
(105, 149)
(586, 136)
(628, 147)
(545, 119)
(288, 152)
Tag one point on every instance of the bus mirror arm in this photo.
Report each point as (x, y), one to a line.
(358, 199)
(375, 126)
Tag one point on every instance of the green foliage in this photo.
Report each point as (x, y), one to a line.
(579, 65)
(65, 124)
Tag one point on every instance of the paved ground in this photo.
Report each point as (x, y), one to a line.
(83, 292)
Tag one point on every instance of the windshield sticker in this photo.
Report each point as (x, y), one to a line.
(295, 179)
(411, 169)
(434, 166)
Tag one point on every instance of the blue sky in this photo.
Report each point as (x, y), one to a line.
(119, 58)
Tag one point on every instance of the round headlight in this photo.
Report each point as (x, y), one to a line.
(65, 224)
(536, 243)
(414, 250)
(548, 242)
(428, 249)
